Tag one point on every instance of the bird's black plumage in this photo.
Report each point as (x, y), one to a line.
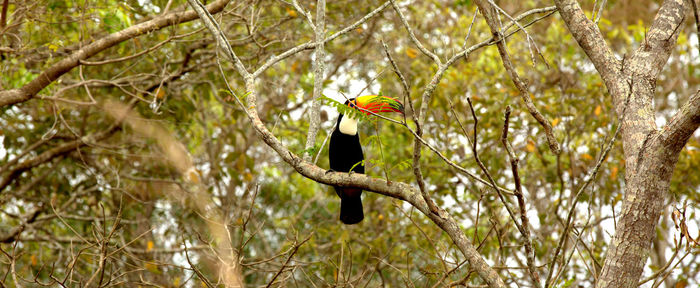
(344, 154)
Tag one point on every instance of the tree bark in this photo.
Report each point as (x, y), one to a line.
(650, 154)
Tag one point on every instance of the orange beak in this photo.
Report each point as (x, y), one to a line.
(377, 104)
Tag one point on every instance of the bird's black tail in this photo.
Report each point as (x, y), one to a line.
(351, 208)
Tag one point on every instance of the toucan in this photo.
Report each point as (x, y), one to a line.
(345, 151)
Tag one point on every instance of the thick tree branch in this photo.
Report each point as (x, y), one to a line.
(650, 155)
(653, 53)
(14, 171)
(677, 132)
(28, 219)
(3, 13)
(591, 40)
(397, 190)
(30, 90)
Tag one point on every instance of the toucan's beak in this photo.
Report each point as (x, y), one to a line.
(377, 104)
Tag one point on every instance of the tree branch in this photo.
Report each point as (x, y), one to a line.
(591, 41)
(490, 13)
(319, 67)
(30, 90)
(524, 221)
(397, 190)
(677, 132)
(653, 53)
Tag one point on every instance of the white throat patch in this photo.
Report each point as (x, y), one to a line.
(348, 126)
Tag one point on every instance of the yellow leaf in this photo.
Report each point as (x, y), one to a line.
(380, 217)
(149, 246)
(530, 146)
(33, 260)
(176, 282)
(597, 110)
(411, 53)
(291, 13)
(152, 267)
(193, 175)
(53, 47)
(587, 156)
(160, 93)
(555, 121)
(613, 173)
(359, 30)
(617, 198)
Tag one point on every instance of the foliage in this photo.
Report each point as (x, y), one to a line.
(268, 207)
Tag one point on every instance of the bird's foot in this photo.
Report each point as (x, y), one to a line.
(330, 171)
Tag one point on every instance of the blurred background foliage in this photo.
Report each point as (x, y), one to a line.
(267, 205)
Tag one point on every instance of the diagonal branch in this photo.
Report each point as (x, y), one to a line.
(312, 44)
(591, 41)
(397, 190)
(490, 13)
(16, 170)
(676, 133)
(30, 90)
(415, 40)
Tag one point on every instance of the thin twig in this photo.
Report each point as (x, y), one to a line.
(291, 254)
(481, 165)
(415, 40)
(591, 175)
(490, 14)
(530, 253)
(416, 147)
(697, 21)
(306, 14)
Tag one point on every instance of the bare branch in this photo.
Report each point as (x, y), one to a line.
(590, 176)
(291, 254)
(415, 40)
(27, 219)
(319, 68)
(306, 14)
(489, 12)
(311, 45)
(524, 222)
(221, 39)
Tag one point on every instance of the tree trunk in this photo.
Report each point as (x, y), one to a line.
(650, 154)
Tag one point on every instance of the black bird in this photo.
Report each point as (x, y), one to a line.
(345, 151)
